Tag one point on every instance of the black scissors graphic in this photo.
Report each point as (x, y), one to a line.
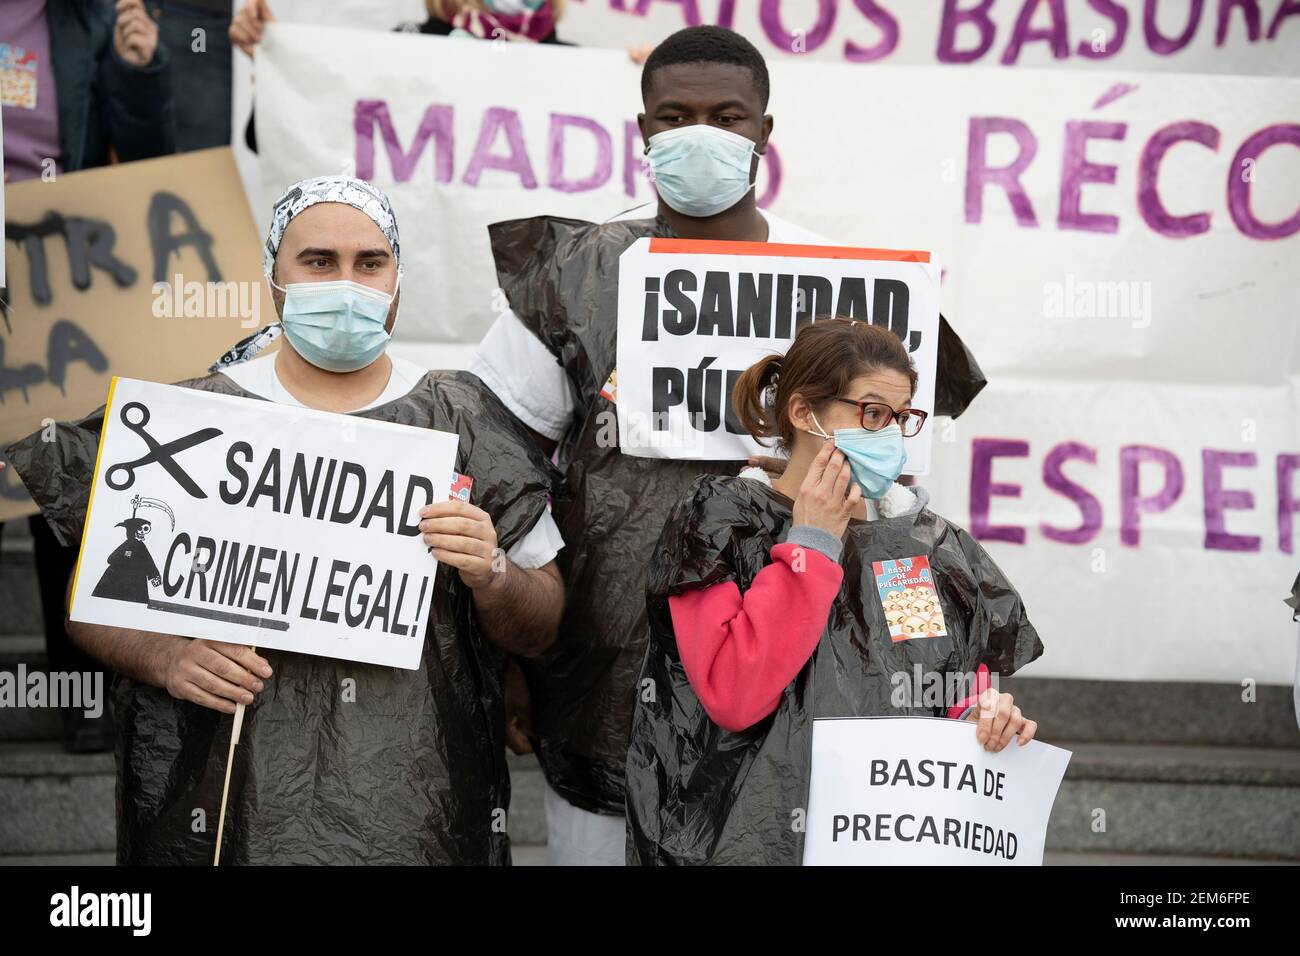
(163, 454)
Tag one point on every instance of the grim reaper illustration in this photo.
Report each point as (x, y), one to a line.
(130, 567)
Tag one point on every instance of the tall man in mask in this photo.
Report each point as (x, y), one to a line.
(408, 766)
(551, 360)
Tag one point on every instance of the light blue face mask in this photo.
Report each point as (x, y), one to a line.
(700, 170)
(876, 458)
(337, 326)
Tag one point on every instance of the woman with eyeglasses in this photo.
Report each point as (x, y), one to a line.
(831, 591)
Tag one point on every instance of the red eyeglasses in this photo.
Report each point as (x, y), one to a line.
(874, 416)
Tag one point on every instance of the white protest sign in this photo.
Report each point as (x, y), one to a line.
(906, 791)
(1186, 36)
(256, 523)
(693, 315)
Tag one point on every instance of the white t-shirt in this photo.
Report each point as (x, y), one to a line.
(529, 380)
(258, 376)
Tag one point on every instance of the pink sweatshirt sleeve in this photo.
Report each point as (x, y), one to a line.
(741, 651)
(982, 683)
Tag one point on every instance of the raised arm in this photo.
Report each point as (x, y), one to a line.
(740, 651)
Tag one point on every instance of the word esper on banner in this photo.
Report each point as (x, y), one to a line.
(769, 305)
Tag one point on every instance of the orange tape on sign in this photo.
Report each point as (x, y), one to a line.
(786, 250)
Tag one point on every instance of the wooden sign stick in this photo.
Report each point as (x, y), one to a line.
(225, 788)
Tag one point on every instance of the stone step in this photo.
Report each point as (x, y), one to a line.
(18, 649)
(20, 597)
(26, 723)
(1119, 803)
(1179, 801)
(1155, 712)
(53, 802)
(1070, 858)
(61, 859)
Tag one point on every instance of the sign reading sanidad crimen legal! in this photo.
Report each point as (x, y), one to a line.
(256, 523)
(694, 314)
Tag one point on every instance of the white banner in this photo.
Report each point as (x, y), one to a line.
(921, 791)
(1119, 253)
(692, 316)
(262, 524)
(1183, 36)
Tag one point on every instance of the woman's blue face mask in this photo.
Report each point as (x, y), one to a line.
(876, 458)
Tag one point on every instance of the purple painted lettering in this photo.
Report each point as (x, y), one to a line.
(1087, 503)
(436, 123)
(604, 169)
(1149, 203)
(495, 119)
(1076, 170)
(1023, 32)
(1132, 504)
(979, 173)
(1241, 176)
(983, 488)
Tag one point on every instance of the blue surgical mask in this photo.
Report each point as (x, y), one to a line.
(700, 170)
(876, 458)
(337, 326)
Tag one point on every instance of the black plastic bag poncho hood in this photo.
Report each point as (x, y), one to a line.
(560, 277)
(698, 794)
(410, 771)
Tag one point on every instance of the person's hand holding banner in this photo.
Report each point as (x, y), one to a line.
(213, 674)
(249, 22)
(135, 35)
(463, 536)
(999, 720)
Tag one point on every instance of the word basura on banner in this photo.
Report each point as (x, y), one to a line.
(902, 791)
(1187, 36)
(148, 269)
(263, 524)
(693, 315)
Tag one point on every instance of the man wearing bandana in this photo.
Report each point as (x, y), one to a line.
(406, 766)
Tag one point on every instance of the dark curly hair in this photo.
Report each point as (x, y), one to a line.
(708, 44)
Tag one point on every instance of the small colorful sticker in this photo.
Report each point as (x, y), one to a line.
(461, 485)
(18, 71)
(909, 599)
(610, 391)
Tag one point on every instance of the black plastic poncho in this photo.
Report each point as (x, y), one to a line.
(561, 278)
(412, 771)
(698, 794)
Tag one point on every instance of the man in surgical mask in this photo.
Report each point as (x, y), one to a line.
(705, 128)
(338, 762)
